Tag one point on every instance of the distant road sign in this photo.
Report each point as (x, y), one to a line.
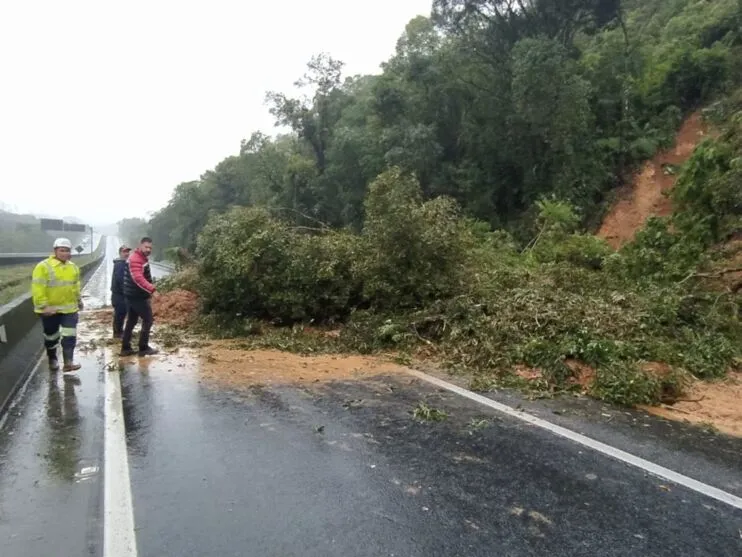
(70, 227)
(78, 249)
(52, 224)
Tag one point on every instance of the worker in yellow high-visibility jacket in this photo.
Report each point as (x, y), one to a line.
(55, 288)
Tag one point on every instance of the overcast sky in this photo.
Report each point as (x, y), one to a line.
(125, 100)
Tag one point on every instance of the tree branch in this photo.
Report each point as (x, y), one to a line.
(322, 224)
(717, 274)
(310, 228)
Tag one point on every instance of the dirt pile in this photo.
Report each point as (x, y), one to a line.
(225, 363)
(178, 307)
(646, 195)
(716, 405)
(100, 317)
(582, 374)
(713, 404)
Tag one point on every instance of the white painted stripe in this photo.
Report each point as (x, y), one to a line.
(119, 539)
(607, 450)
(19, 395)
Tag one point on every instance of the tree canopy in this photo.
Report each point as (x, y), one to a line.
(495, 103)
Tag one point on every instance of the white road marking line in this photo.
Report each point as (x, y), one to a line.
(608, 450)
(119, 538)
(18, 396)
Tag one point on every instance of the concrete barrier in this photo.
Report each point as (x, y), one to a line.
(21, 339)
(11, 259)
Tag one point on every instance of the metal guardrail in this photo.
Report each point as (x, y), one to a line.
(19, 348)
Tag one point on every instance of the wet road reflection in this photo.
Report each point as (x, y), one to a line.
(63, 433)
(296, 470)
(138, 399)
(97, 293)
(51, 452)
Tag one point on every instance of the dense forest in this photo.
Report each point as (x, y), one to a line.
(448, 201)
(495, 103)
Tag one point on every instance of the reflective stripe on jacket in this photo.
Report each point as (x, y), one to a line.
(55, 285)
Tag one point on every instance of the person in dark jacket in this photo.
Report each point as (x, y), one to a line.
(118, 301)
(138, 290)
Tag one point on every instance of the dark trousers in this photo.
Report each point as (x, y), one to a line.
(60, 326)
(137, 307)
(119, 313)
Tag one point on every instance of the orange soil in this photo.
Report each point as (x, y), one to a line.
(646, 196)
(225, 363)
(716, 404)
(178, 307)
(582, 374)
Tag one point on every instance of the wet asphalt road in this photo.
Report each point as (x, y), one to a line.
(344, 469)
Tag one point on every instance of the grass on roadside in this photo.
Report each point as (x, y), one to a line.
(14, 281)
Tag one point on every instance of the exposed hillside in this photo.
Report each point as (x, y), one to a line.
(647, 194)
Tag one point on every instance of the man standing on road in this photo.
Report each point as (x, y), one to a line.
(56, 293)
(118, 301)
(138, 290)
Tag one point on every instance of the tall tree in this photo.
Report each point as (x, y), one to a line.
(312, 117)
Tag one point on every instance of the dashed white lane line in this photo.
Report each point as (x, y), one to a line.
(608, 450)
(119, 538)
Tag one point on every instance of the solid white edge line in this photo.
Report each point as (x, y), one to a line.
(608, 450)
(21, 391)
(119, 538)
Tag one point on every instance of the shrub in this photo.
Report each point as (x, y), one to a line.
(707, 193)
(413, 252)
(557, 240)
(184, 279)
(254, 265)
(421, 274)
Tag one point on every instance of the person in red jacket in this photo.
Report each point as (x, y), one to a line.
(138, 290)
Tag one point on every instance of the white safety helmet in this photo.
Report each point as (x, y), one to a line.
(62, 243)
